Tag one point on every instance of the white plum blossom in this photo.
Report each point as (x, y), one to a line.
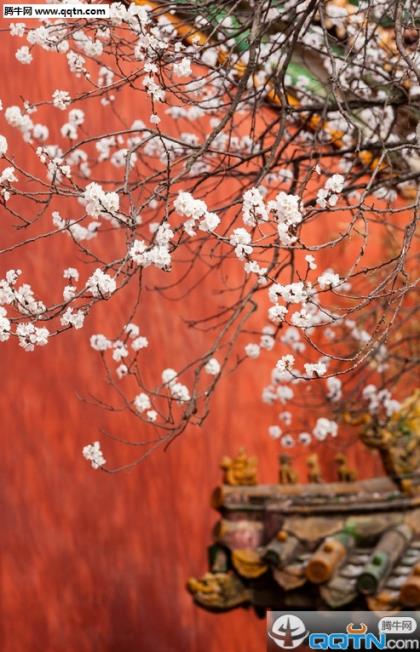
(253, 207)
(287, 441)
(277, 314)
(305, 438)
(287, 211)
(296, 292)
(17, 29)
(93, 453)
(98, 202)
(334, 388)
(151, 415)
(287, 208)
(76, 117)
(269, 395)
(391, 406)
(291, 338)
(137, 252)
(61, 99)
(160, 257)
(275, 432)
(139, 343)
(76, 62)
(153, 88)
(335, 183)
(209, 222)
(142, 402)
(119, 351)
(40, 132)
(73, 318)
(378, 399)
(183, 68)
(71, 273)
(163, 233)
(31, 336)
(8, 175)
(286, 363)
(180, 392)
(3, 145)
(121, 371)
(121, 157)
(99, 342)
(328, 196)
(100, 284)
(303, 318)
(169, 377)
(325, 427)
(322, 197)
(292, 293)
(252, 267)
(4, 325)
(195, 210)
(26, 302)
(76, 231)
(329, 279)
(284, 393)
(329, 334)
(278, 376)
(240, 239)
(103, 146)
(14, 116)
(286, 417)
(69, 131)
(23, 55)
(252, 350)
(212, 367)
(370, 394)
(267, 340)
(7, 292)
(315, 369)
(287, 239)
(311, 261)
(132, 330)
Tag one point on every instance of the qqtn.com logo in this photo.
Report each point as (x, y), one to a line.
(289, 631)
(358, 638)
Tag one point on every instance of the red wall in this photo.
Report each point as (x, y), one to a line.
(92, 562)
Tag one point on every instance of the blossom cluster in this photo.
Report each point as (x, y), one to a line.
(93, 453)
(142, 205)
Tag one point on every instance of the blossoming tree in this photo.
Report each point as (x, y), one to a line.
(307, 114)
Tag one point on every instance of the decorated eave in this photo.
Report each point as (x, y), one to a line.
(348, 544)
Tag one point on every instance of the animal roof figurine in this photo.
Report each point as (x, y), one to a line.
(241, 470)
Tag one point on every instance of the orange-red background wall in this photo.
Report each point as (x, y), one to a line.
(92, 562)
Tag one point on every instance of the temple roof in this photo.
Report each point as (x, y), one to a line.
(322, 544)
(316, 545)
